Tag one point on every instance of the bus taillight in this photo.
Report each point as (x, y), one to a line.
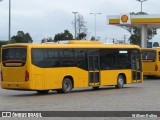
(156, 68)
(1, 76)
(26, 76)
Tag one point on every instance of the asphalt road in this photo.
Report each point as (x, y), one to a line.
(134, 97)
(138, 96)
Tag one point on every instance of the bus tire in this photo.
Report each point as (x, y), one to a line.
(42, 91)
(120, 81)
(67, 85)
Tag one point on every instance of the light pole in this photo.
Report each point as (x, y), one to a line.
(9, 29)
(143, 30)
(141, 3)
(95, 23)
(75, 24)
(9, 21)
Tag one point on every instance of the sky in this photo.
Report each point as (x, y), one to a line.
(45, 18)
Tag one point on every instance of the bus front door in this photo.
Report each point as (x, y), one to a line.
(136, 67)
(94, 70)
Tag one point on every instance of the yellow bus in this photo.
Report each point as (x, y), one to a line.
(151, 62)
(62, 67)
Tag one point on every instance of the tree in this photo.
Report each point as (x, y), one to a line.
(49, 39)
(155, 44)
(135, 32)
(63, 36)
(22, 37)
(82, 36)
(93, 38)
(81, 28)
(4, 42)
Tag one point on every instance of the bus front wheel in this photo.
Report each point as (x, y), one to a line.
(67, 85)
(120, 81)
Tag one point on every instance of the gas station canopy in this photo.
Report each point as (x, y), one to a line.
(143, 21)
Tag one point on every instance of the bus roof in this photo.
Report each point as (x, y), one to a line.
(157, 48)
(74, 44)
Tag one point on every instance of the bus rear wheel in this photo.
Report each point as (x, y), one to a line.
(120, 81)
(67, 85)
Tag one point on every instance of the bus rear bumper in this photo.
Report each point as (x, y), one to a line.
(16, 85)
(151, 73)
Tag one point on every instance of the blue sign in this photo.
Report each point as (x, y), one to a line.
(149, 44)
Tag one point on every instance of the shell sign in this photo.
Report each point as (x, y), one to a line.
(125, 19)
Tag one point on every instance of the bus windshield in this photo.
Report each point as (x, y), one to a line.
(149, 55)
(14, 55)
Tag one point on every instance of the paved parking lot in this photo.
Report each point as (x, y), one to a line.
(134, 97)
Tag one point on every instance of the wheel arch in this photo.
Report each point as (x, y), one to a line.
(124, 76)
(71, 78)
